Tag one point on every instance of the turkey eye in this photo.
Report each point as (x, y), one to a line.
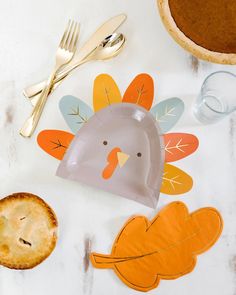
(139, 155)
(105, 142)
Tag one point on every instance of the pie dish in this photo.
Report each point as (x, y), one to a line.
(27, 231)
(207, 29)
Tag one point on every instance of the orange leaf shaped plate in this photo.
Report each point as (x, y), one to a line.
(145, 252)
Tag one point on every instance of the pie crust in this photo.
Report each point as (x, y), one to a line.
(27, 231)
(187, 43)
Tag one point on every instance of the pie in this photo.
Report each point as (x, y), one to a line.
(205, 28)
(27, 231)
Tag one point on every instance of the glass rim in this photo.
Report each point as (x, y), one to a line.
(214, 73)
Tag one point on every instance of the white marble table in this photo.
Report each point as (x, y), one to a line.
(88, 218)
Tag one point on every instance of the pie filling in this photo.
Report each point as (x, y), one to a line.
(210, 24)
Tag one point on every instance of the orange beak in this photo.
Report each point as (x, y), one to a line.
(115, 157)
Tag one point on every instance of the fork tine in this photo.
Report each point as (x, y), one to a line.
(65, 34)
(74, 37)
(77, 37)
(68, 39)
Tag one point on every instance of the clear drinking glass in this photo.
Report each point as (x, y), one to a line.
(217, 98)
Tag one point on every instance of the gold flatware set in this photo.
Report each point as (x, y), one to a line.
(104, 44)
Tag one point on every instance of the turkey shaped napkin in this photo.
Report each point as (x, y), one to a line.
(166, 247)
(121, 148)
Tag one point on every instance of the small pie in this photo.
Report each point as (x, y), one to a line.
(205, 28)
(27, 231)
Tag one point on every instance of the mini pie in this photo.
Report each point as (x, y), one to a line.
(27, 231)
(205, 28)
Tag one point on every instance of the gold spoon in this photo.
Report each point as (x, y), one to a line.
(109, 48)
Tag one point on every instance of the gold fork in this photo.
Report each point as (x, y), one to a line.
(64, 55)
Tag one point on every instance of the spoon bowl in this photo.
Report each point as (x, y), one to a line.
(110, 47)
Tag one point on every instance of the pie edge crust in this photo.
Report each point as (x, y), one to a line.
(54, 224)
(188, 44)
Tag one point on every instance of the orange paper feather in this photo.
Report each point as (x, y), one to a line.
(55, 142)
(140, 91)
(175, 181)
(179, 146)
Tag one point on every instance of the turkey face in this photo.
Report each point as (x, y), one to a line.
(119, 150)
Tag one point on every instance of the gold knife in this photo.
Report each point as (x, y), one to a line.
(108, 28)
